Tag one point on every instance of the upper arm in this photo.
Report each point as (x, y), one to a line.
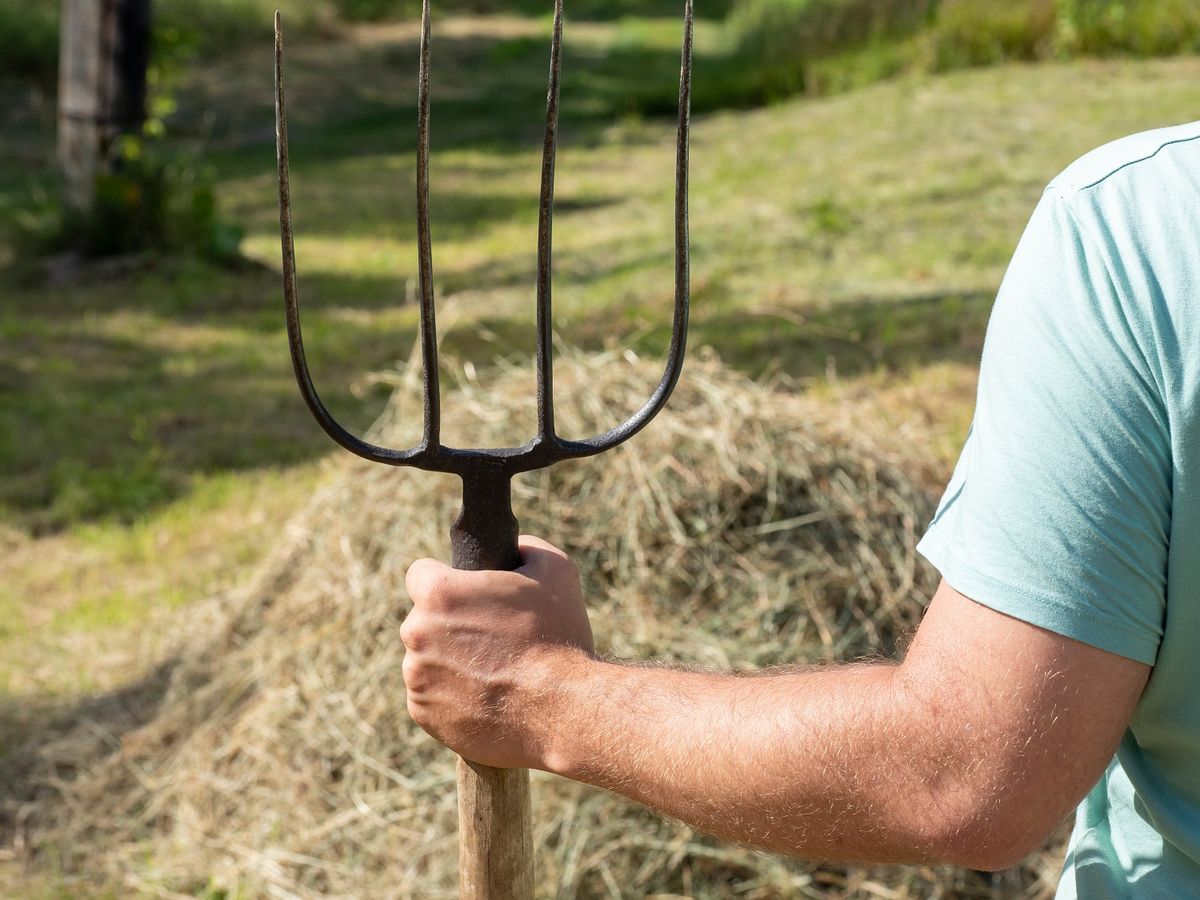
(1059, 512)
(1057, 527)
(1022, 723)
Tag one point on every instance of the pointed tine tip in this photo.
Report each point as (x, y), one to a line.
(278, 24)
(557, 35)
(556, 29)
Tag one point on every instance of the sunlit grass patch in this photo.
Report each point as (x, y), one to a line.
(70, 602)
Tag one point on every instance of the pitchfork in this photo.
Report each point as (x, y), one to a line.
(495, 843)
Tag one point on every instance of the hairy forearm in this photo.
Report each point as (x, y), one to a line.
(826, 763)
(972, 751)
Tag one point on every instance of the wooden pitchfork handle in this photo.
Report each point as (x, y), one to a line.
(495, 818)
(495, 837)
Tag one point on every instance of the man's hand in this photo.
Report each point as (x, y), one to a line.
(483, 646)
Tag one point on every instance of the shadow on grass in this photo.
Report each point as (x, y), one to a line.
(351, 210)
(35, 731)
(488, 92)
(120, 431)
(847, 338)
(113, 426)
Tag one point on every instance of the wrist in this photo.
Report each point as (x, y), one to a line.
(554, 703)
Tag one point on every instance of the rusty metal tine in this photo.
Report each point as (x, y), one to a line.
(429, 348)
(545, 326)
(679, 326)
(295, 339)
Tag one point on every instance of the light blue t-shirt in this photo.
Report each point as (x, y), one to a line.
(1076, 503)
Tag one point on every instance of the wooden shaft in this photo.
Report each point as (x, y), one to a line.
(495, 833)
(495, 820)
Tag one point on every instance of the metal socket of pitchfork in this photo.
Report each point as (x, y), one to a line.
(495, 833)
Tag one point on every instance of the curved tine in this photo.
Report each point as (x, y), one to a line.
(429, 348)
(545, 349)
(679, 327)
(295, 339)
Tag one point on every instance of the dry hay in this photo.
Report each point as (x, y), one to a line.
(272, 756)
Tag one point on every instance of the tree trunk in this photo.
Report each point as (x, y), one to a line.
(104, 54)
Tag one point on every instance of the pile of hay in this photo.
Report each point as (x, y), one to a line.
(272, 754)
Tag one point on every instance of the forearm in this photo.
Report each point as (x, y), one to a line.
(972, 751)
(826, 763)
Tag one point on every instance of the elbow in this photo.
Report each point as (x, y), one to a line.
(998, 856)
(991, 834)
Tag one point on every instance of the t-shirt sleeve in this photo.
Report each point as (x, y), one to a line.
(1059, 509)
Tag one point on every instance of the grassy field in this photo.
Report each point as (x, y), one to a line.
(151, 439)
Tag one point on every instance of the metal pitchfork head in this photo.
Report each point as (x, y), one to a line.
(485, 534)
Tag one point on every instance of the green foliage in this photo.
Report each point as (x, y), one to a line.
(819, 46)
(150, 199)
(785, 41)
(28, 39)
(983, 32)
(29, 30)
(205, 28)
(156, 200)
(1137, 27)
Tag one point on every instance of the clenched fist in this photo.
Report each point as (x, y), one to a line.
(486, 651)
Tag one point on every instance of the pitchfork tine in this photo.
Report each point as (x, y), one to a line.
(295, 338)
(429, 349)
(679, 325)
(545, 351)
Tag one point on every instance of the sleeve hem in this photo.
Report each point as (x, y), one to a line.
(1046, 611)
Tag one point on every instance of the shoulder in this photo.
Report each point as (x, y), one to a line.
(1165, 158)
(1134, 204)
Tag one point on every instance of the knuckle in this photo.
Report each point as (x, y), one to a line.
(418, 682)
(413, 635)
(426, 580)
(412, 669)
(415, 574)
(418, 713)
(436, 591)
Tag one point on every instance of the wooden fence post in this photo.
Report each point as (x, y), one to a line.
(103, 56)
